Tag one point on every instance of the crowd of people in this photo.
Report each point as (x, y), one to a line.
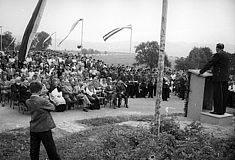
(70, 79)
(50, 80)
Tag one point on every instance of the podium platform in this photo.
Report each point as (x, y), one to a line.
(222, 120)
(200, 100)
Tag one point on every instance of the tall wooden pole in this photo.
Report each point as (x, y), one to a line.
(14, 46)
(1, 38)
(161, 65)
(55, 41)
(82, 37)
(130, 39)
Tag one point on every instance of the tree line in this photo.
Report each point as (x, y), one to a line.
(197, 59)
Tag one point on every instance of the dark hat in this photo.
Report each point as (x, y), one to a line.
(220, 46)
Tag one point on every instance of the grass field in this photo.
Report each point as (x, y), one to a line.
(116, 58)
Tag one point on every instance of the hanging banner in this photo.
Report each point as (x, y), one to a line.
(114, 31)
(31, 30)
(71, 29)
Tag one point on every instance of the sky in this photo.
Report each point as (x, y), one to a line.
(197, 21)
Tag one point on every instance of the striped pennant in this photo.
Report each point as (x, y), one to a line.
(47, 38)
(31, 30)
(71, 29)
(114, 31)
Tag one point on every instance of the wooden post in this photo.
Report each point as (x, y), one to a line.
(1, 38)
(82, 37)
(130, 39)
(55, 41)
(161, 65)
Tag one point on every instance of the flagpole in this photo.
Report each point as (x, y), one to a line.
(130, 39)
(55, 41)
(82, 37)
(1, 38)
(14, 46)
(161, 65)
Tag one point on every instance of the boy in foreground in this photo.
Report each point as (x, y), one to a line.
(41, 123)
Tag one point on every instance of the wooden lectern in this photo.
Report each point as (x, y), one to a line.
(200, 94)
(200, 99)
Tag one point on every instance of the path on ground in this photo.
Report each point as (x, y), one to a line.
(11, 118)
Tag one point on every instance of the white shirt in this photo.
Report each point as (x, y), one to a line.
(24, 71)
(28, 59)
(31, 73)
(90, 92)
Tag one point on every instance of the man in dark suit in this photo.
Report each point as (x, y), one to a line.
(220, 64)
(41, 123)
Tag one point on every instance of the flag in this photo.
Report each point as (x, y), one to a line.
(114, 31)
(31, 30)
(71, 29)
(13, 40)
(48, 38)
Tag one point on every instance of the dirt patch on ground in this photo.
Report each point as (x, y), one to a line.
(66, 128)
(214, 130)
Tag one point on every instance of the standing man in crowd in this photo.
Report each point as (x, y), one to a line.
(220, 64)
(41, 123)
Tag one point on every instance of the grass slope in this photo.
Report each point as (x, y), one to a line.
(116, 58)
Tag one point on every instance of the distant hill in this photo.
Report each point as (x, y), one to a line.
(175, 49)
(100, 46)
(121, 49)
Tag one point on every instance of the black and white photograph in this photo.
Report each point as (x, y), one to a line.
(117, 80)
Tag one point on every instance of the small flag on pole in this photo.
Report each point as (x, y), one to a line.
(31, 30)
(114, 31)
(47, 38)
(71, 29)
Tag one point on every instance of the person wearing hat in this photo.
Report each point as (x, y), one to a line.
(220, 64)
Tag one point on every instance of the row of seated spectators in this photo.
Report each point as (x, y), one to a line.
(66, 93)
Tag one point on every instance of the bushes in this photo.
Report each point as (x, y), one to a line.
(124, 142)
(114, 142)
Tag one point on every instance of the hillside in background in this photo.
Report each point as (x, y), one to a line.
(118, 52)
(174, 49)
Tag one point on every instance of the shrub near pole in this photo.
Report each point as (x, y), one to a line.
(161, 65)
